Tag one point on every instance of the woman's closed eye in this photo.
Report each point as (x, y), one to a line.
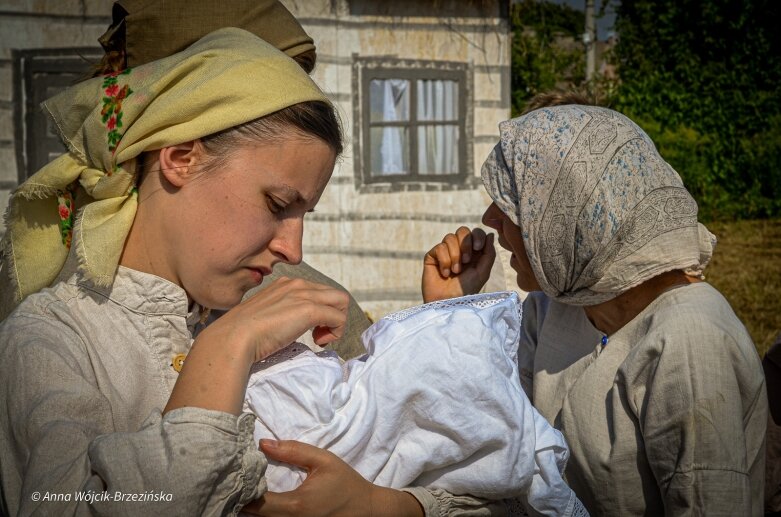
(276, 206)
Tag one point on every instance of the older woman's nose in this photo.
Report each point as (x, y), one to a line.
(492, 217)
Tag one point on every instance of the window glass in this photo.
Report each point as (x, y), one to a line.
(389, 100)
(437, 99)
(438, 149)
(390, 151)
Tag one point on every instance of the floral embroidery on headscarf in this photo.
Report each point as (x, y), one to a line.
(111, 114)
(65, 208)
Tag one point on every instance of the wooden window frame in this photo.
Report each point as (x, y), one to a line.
(367, 69)
(30, 123)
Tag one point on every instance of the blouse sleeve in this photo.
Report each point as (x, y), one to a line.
(701, 404)
(71, 461)
(439, 503)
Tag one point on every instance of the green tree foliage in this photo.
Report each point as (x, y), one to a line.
(546, 52)
(703, 77)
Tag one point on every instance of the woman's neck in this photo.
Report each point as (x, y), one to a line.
(610, 316)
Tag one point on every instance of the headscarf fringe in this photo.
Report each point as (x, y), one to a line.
(33, 191)
(11, 293)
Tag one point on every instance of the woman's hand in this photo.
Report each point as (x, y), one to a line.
(215, 372)
(276, 316)
(331, 487)
(459, 265)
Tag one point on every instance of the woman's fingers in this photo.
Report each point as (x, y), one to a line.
(460, 264)
(331, 488)
(456, 250)
(439, 257)
(289, 307)
(296, 453)
(478, 239)
(464, 239)
(486, 260)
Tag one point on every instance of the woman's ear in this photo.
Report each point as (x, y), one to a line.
(178, 163)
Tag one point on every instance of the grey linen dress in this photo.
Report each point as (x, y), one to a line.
(667, 419)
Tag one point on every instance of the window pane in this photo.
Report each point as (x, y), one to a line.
(389, 100)
(438, 149)
(389, 150)
(437, 99)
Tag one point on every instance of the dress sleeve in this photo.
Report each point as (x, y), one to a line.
(700, 401)
(530, 323)
(60, 428)
(439, 503)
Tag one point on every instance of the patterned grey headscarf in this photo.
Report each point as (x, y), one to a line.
(600, 211)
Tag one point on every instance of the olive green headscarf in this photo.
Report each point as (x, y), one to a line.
(146, 30)
(225, 79)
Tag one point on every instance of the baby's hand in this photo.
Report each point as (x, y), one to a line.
(459, 265)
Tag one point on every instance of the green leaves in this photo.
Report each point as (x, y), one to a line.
(703, 78)
(546, 49)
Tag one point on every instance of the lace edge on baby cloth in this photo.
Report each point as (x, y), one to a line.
(478, 301)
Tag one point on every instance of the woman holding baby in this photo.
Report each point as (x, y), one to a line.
(187, 181)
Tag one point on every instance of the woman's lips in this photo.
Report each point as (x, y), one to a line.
(257, 275)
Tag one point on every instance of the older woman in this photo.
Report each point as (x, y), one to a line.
(643, 366)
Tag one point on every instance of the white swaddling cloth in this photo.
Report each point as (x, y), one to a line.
(435, 402)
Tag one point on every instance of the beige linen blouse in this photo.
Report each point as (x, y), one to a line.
(667, 419)
(85, 373)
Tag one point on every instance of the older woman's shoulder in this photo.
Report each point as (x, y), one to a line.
(693, 322)
(694, 306)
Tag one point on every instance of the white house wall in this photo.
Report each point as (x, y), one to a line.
(374, 243)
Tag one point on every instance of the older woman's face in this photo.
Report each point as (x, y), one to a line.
(510, 238)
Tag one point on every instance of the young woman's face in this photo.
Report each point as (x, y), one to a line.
(234, 223)
(510, 238)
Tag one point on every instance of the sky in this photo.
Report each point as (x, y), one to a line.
(604, 24)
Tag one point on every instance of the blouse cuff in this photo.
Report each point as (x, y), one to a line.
(249, 483)
(439, 503)
(187, 452)
(426, 499)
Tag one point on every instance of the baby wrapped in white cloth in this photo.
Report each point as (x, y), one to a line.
(436, 401)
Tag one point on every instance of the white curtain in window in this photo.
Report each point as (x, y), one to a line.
(437, 144)
(393, 96)
(437, 100)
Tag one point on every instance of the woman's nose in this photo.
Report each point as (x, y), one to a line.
(492, 217)
(287, 241)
